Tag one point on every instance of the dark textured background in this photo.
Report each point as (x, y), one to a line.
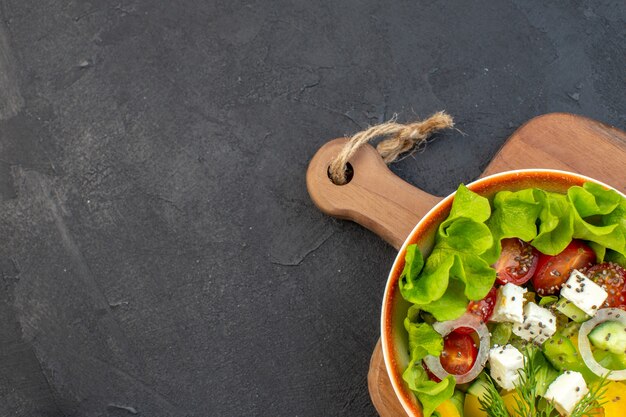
(160, 254)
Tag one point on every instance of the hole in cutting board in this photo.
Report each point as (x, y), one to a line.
(349, 174)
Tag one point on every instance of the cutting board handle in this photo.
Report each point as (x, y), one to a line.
(375, 197)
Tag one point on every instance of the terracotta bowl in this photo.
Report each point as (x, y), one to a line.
(393, 335)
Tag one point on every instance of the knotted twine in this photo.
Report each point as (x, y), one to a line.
(403, 138)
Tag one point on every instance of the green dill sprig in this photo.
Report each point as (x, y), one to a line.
(527, 399)
(586, 407)
(492, 403)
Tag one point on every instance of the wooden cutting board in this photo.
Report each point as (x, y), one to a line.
(382, 202)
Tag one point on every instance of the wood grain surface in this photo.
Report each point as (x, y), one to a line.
(388, 206)
(375, 197)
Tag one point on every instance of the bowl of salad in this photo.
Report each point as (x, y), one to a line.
(508, 299)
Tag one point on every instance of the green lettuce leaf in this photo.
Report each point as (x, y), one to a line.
(617, 216)
(415, 375)
(469, 205)
(599, 250)
(456, 254)
(556, 225)
(592, 199)
(413, 264)
(412, 316)
(608, 236)
(432, 283)
(515, 215)
(461, 240)
(465, 235)
(454, 272)
(423, 341)
(451, 305)
(599, 216)
(430, 393)
(589, 213)
(618, 258)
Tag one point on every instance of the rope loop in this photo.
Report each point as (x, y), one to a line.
(401, 138)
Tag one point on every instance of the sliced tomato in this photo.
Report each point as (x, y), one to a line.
(612, 278)
(431, 376)
(553, 271)
(517, 262)
(459, 353)
(481, 308)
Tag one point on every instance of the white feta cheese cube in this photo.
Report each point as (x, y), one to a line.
(505, 361)
(584, 293)
(538, 325)
(509, 304)
(566, 391)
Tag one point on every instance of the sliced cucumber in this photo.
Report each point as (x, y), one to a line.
(570, 310)
(545, 373)
(478, 388)
(458, 399)
(610, 360)
(563, 355)
(610, 336)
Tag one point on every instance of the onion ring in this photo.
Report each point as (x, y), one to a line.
(444, 328)
(604, 314)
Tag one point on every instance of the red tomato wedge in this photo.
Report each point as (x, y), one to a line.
(431, 376)
(483, 309)
(459, 353)
(517, 262)
(612, 278)
(553, 271)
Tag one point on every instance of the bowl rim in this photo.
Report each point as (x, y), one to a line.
(386, 309)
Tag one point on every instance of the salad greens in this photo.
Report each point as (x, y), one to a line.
(515, 215)
(468, 241)
(589, 212)
(455, 271)
(424, 340)
(458, 269)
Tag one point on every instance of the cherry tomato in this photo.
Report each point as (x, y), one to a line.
(481, 308)
(431, 376)
(612, 278)
(516, 263)
(459, 353)
(553, 271)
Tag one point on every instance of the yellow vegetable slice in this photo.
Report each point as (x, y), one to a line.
(615, 400)
(471, 408)
(448, 409)
(509, 402)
